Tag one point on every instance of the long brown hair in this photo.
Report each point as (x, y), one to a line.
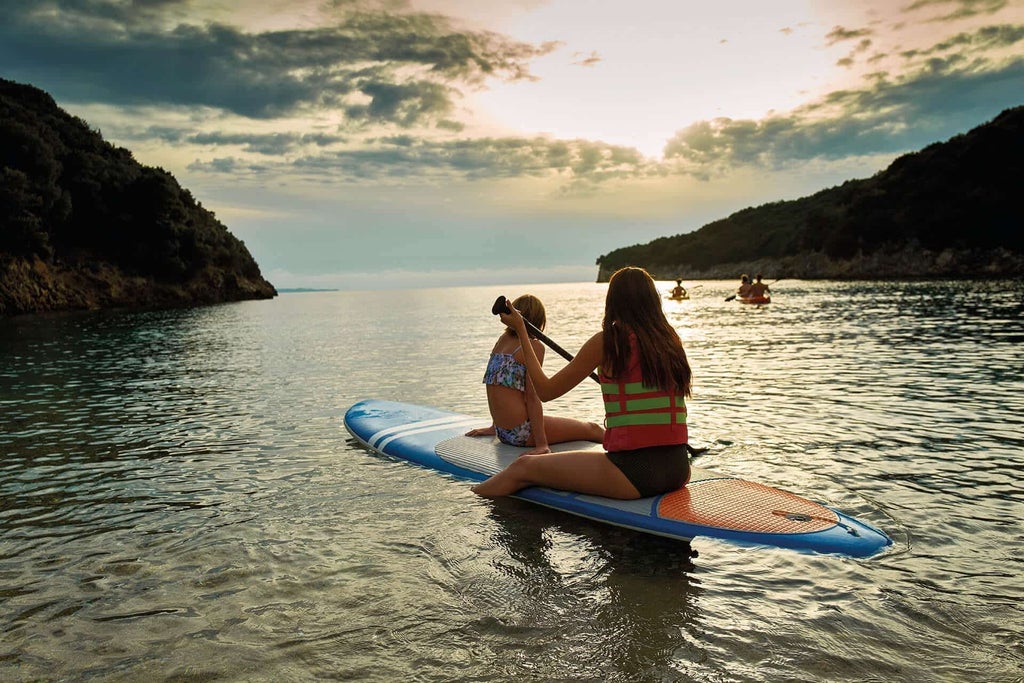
(633, 305)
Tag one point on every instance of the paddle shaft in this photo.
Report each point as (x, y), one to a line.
(502, 304)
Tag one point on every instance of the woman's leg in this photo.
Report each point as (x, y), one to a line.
(581, 471)
(562, 429)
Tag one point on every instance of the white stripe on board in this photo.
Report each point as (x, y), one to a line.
(464, 421)
(443, 421)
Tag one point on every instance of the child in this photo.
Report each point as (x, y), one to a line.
(516, 411)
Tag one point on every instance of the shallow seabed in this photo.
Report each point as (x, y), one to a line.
(179, 500)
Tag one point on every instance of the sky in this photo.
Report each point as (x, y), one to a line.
(363, 144)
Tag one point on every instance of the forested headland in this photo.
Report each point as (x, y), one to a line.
(83, 225)
(953, 209)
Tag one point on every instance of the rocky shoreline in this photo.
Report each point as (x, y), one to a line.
(35, 286)
(908, 263)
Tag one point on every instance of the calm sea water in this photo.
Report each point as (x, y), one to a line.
(179, 500)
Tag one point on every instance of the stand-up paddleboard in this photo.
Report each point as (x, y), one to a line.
(711, 505)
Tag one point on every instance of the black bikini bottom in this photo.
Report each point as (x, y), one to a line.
(654, 470)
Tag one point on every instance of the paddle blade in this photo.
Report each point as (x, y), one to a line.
(500, 306)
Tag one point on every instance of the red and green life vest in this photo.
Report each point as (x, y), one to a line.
(638, 416)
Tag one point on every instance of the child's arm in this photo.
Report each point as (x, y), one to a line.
(535, 409)
(535, 413)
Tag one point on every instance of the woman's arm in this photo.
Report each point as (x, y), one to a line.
(578, 369)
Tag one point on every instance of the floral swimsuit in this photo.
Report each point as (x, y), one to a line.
(504, 370)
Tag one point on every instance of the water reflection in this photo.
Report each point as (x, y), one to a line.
(111, 418)
(178, 499)
(597, 600)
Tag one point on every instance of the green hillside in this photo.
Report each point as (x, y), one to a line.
(83, 225)
(951, 209)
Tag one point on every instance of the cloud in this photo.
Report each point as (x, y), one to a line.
(937, 91)
(985, 38)
(941, 90)
(860, 48)
(945, 88)
(839, 34)
(584, 59)
(962, 9)
(375, 67)
(381, 86)
(578, 163)
(270, 144)
(405, 104)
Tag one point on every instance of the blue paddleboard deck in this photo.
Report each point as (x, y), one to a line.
(711, 505)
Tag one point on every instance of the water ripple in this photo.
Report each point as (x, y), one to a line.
(178, 499)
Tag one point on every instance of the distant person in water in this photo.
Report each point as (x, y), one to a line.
(744, 289)
(516, 412)
(679, 292)
(645, 378)
(758, 289)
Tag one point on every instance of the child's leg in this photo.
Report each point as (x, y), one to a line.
(562, 429)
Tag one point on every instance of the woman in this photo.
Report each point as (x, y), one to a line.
(644, 379)
(516, 412)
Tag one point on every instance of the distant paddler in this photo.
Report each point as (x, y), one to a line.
(756, 293)
(678, 292)
(743, 291)
(758, 289)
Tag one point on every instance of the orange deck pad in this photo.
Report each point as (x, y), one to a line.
(745, 506)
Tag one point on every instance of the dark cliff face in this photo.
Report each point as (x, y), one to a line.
(952, 209)
(83, 225)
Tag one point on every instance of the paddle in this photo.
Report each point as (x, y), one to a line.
(730, 298)
(501, 305)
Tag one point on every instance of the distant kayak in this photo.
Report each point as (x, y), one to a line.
(760, 300)
(684, 297)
